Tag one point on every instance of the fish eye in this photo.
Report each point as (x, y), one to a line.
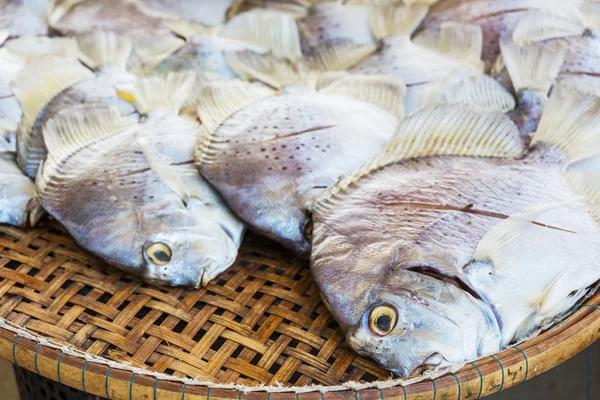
(159, 253)
(306, 226)
(382, 320)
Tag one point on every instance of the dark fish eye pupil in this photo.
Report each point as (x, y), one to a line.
(160, 255)
(384, 323)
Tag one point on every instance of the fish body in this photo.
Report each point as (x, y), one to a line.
(271, 157)
(451, 244)
(112, 195)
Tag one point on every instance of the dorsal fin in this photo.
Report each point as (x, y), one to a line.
(275, 72)
(532, 66)
(101, 49)
(30, 47)
(539, 25)
(481, 92)
(220, 99)
(75, 128)
(591, 14)
(167, 91)
(396, 21)
(40, 81)
(278, 72)
(463, 42)
(149, 51)
(437, 131)
(386, 92)
(272, 30)
(584, 177)
(58, 8)
(338, 57)
(218, 102)
(571, 123)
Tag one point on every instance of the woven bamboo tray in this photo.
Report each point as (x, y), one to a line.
(260, 331)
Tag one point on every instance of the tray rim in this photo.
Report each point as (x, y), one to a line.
(117, 380)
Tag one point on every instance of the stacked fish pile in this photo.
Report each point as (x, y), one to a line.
(438, 162)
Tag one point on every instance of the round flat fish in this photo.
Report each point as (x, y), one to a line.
(457, 241)
(271, 157)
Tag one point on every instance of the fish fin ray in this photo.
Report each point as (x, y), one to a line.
(75, 128)
(437, 131)
(267, 68)
(584, 178)
(38, 83)
(167, 173)
(538, 25)
(26, 48)
(385, 92)
(218, 102)
(463, 42)
(396, 21)
(105, 49)
(570, 123)
(532, 66)
(272, 30)
(481, 92)
(149, 52)
(591, 14)
(492, 246)
(338, 57)
(167, 91)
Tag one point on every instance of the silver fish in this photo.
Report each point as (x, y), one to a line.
(270, 153)
(455, 241)
(44, 89)
(23, 17)
(129, 193)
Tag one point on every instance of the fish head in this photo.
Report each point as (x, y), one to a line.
(192, 250)
(413, 323)
(390, 302)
